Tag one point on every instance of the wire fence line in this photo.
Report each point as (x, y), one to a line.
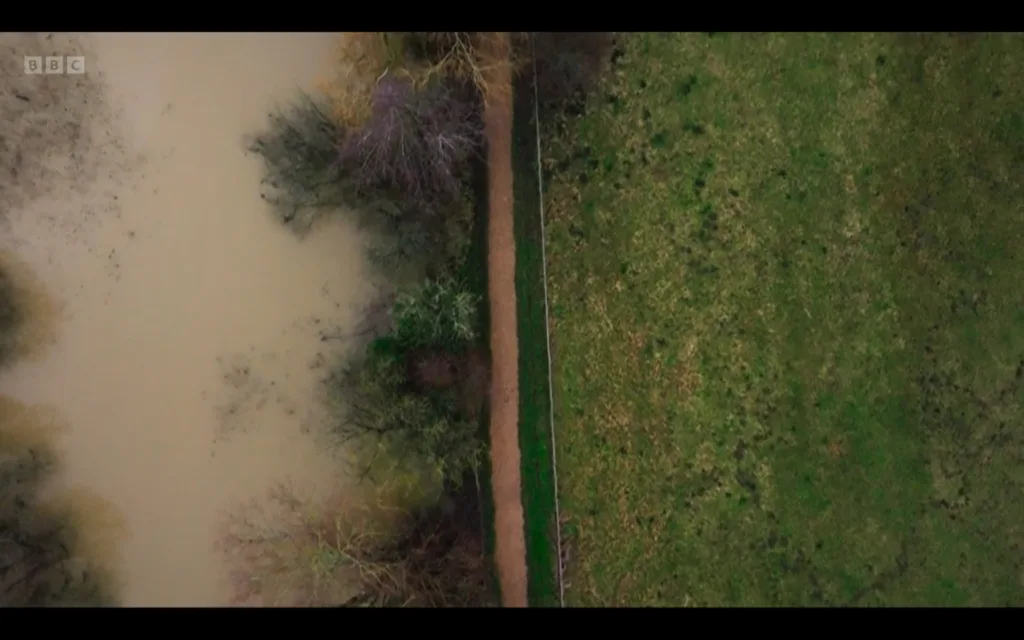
(547, 335)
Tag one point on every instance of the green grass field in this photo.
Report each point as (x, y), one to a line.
(787, 280)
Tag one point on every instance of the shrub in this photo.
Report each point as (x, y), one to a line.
(388, 417)
(408, 158)
(421, 57)
(415, 142)
(414, 393)
(300, 152)
(568, 64)
(27, 315)
(401, 173)
(288, 552)
(11, 317)
(363, 58)
(466, 56)
(280, 552)
(413, 152)
(438, 314)
(436, 559)
(39, 560)
(398, 152)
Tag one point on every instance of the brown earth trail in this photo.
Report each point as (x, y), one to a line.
(510, 542)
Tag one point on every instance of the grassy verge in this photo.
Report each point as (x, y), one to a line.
(534, 424)
(785, 277)
(475, 275)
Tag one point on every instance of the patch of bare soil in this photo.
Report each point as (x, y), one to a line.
(510, 543)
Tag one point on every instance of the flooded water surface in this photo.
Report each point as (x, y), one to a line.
(188, 350)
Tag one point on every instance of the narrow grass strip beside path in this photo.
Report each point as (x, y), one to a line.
(474, 274)
(538, 481)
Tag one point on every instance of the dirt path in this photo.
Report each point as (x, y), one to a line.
(510, 542)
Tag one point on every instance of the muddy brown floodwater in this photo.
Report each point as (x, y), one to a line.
(188, 352)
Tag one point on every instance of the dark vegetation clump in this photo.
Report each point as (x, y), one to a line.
(400, 157)
(401, 172)
(404, 166)
(416, 393)
(569, 65)
(434, 47)
(398, 150)
(11, 318)
(39, 565)
(421, 389)
(415, 144)
(303, 176)
(285, 552)
(437, 560)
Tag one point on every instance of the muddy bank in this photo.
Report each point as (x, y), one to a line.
(188, 348)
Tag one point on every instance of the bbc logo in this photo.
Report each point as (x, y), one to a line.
(74, 65)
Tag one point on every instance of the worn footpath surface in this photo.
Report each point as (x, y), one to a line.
(510, 544)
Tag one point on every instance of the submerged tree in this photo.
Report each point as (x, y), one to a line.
(39, 561)
(26, 313)
(400, 171)
(11, 317)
